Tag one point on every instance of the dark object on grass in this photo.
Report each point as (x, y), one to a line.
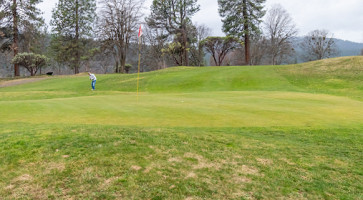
(49, 73)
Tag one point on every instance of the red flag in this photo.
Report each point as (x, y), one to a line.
(140, 32)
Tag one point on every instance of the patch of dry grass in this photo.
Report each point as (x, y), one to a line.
(177, 163)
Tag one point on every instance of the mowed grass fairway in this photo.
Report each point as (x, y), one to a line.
(251, 132)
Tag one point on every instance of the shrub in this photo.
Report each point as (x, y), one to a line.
(127, 68)
(32, 62)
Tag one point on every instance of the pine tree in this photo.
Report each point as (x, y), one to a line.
(241, 18)
(72, 21)
(174, 16)
(15, 14)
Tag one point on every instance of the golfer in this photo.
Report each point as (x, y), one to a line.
(93, 78)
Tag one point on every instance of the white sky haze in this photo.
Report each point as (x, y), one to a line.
(344, 19)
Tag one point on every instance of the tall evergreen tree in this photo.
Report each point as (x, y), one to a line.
(72, 22)
(241, 18)
(174, 16)
(15, 14)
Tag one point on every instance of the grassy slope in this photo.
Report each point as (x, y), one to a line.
(339, 76)
(263, 96)
(231, 132)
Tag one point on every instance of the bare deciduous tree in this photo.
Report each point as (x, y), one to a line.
(280, 30)
(119, 22)
(258, 51)
(318, 45)
(219, 47)
(154, 42)
(196, 52)
(259, 47)
(104, 60)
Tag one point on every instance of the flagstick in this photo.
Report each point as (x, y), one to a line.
(138, 69)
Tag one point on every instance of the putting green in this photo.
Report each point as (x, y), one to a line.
(205, 109)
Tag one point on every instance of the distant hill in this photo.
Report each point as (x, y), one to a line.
(345, 48)
(348, 48)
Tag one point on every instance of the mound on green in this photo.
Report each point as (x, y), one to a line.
(252, 132)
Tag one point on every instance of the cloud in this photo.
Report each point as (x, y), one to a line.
(209, 16)
(342, 18)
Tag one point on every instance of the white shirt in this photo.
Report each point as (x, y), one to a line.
(92, 77)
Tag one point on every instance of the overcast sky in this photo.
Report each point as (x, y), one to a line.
(344, 19)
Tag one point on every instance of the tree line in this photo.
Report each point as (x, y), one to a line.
(104, 36)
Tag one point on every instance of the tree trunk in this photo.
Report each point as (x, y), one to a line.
(200, 55)
(15, 35)
(185, 45)
(117, 67)
(215, 60)
(123, 59)
(273, 60)
(122, 62)
(164, 63)
(76, 67)
(247, 33)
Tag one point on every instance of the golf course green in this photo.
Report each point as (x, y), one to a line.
(233, 132)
